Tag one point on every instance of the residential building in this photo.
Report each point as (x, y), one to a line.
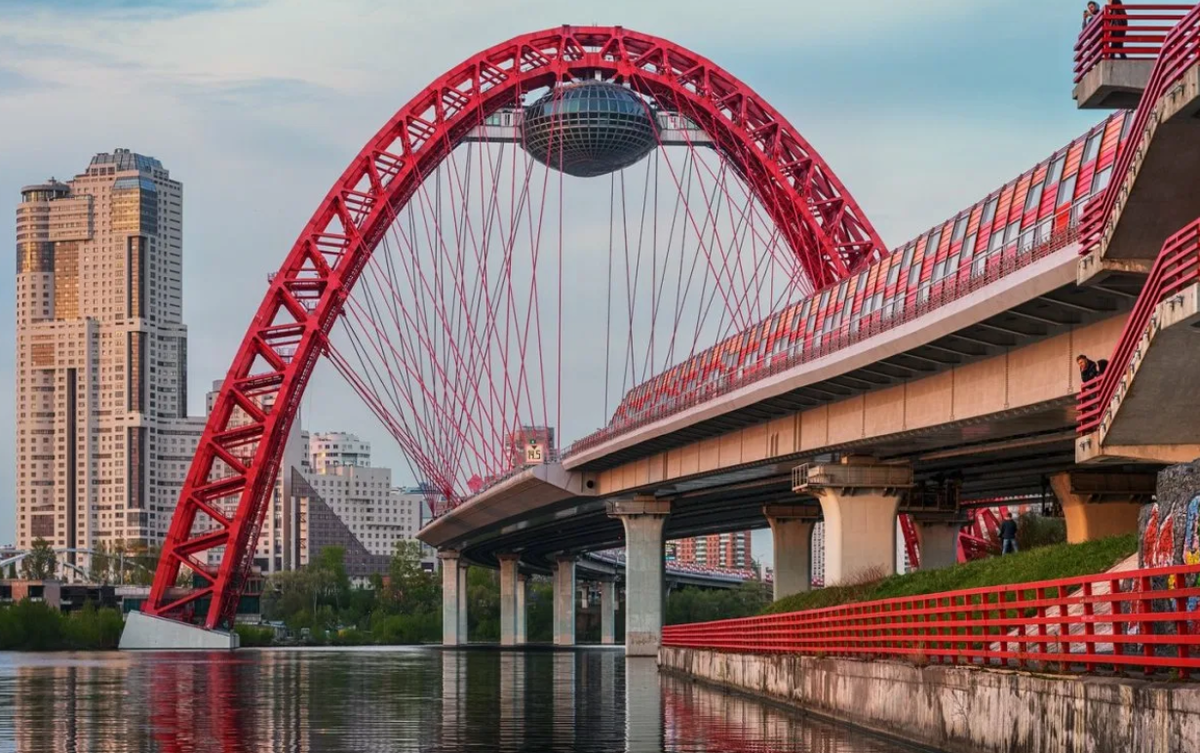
(727, 551)
(101, 367)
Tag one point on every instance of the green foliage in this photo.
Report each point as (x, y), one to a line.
(40, 563)
(36, 626)
(1043, 563)
(12, 571)
(406, 607)
(483, 604)
(539, 615)
(700, 605)
(253, 636)
(1035, 531)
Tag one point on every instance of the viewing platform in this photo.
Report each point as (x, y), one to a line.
(1116, 53)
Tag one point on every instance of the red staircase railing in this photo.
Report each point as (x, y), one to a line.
(1133, 32)
(1180, 50)
(1177, 266)
(1137, 618)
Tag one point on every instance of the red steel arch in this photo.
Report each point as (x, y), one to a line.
(239, 453)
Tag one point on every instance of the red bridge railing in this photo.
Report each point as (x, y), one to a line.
(1139, 618)
(1177, 266)
(1180, 50)
(1133, 32)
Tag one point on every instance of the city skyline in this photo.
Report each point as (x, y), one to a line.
(286, 176)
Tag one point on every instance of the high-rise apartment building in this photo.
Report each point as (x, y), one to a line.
(103, 437)
(728, 551)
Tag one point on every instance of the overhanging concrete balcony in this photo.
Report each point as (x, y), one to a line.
(1113, 85)
(1151, 194)
(1151, 415)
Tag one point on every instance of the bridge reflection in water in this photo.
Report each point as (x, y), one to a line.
(418, 700)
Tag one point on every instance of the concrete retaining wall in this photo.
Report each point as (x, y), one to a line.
(965, 710)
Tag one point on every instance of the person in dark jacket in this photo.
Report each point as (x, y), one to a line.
(1090, 13)
(1008, 535)
(1089, 369)
(1120, 22)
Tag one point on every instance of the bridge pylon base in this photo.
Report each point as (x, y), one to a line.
(145, 632)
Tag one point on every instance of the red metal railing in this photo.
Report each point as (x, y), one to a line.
(1134, 32)
(1138, 618)
(972, 277)
(1180, 50)
(1177, 266)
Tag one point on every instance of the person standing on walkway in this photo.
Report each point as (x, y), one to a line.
(1116, 9)
(1008, 535)
(1090, 13)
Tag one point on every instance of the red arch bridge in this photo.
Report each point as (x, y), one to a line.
(592, 226)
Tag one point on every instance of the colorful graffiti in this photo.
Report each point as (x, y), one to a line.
(1158, 540)
(1191, 546)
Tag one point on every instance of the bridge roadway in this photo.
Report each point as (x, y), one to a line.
(982, 389)
(997, 411)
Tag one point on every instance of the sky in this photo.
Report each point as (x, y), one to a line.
(257, 106)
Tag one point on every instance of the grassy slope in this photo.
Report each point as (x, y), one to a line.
(1046, 563)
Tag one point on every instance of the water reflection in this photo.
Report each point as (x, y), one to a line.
(396, 701)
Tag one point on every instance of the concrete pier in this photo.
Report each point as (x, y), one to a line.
(564, 601)
(938, 544)
(608, 612)
(510, 608)
(859, 498)
(643, 518)
(791, 533)
(454, 599)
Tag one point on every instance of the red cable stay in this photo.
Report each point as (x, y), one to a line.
(442, 278)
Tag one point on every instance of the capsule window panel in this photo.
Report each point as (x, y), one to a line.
(968, 246)
(1101, 180)
(1034, 198)
(1092, 148)
(1054, 175)
(893, 274)
(960, 229)
(989, 210)
(1066, 190)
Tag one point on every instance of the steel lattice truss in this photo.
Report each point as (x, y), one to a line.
(384, 191)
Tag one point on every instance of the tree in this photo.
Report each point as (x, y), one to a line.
(99, 563)
(12, 571)
(39, 565)
(410, 587)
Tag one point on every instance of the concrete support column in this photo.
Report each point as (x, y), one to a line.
(463, 632)
(510, 585)
(859, 498)
(938, 544)
(1098, 505)
(791, 533)
(608, 612)
(643, 518)
(644, 731)
(522, 613)
(453, 599)
(564, 602)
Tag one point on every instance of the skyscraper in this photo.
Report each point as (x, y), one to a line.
(103, 437)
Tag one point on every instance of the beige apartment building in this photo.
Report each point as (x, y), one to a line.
(103, 436)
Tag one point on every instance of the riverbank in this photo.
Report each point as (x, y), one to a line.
(962, 709)
(1044, 563)
(36, 626)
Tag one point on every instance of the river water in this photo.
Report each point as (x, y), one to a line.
(394, 701)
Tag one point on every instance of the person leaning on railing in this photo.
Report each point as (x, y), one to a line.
(1090, 13)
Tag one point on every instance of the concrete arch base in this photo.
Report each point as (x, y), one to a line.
(144, 632)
